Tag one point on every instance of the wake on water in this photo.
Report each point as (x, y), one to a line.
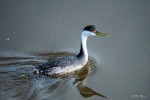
(18, 80)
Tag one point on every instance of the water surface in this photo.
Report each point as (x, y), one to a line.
(122, 71)
(18, 80)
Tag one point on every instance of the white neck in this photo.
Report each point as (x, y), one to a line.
(83, 51)
(84, 47)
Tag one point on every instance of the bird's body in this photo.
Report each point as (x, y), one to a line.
(66, 64)
(61, 65)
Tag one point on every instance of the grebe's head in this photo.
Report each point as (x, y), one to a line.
(90, 30)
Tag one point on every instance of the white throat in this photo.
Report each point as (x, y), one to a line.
(84, 36)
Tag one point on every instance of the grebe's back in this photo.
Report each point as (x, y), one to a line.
(60, 65)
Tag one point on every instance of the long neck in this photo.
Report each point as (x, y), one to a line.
(83, 50)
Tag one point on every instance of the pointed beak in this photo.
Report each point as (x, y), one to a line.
(101, 34)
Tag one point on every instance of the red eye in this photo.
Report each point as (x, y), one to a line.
(94, 31)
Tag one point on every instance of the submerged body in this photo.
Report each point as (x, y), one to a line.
(67, 64)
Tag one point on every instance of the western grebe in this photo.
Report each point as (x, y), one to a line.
(67, 64)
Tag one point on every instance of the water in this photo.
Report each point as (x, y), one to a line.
(20, 82)
(121, 60)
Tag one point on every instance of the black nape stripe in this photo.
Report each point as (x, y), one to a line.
(81, 53)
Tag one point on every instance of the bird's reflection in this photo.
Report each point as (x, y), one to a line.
(84, 90)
